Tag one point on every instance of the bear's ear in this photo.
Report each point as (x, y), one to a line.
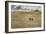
(31, 19)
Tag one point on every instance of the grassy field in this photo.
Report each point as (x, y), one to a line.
(25, 19)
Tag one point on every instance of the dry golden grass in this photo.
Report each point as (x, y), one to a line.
(25, 19)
